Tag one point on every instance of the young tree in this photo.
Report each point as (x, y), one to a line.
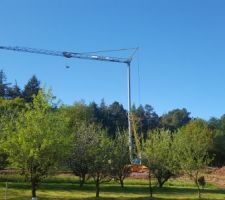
(9, 110)
(120, 158)
(100, 162)
(158, 155)
(80, 156)
(91, 154)
(192, 144)
(36, 140)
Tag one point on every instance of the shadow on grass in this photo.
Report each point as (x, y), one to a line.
(129, 189)
(106, 198)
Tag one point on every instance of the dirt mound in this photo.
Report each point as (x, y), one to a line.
(220, 171)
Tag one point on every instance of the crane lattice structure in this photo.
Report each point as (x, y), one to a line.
(90, 56)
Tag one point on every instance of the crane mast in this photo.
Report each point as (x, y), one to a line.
(89, 56)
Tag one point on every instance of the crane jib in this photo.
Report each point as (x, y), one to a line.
(68, 54)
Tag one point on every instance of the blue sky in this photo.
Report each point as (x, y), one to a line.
(181, 58)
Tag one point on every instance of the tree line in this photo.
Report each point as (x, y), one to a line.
(38, 137)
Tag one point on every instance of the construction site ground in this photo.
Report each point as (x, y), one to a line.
(212, 175)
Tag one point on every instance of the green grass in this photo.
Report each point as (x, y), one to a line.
(67, 188)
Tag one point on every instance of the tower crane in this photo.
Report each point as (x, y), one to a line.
(90, 56)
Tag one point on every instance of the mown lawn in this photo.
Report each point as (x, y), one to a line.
(67, 188)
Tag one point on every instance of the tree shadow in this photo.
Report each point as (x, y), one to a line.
(114, 189)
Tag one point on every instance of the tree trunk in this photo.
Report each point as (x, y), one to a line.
(97, 188)
(199, 190)
(197, 184)
(82, 180)
(121, 183)
(33, 187)
(160, 182)
(150, 184)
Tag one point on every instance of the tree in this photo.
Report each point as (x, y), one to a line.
(91, 142)
(158, 155)
(78, 114)
(147, 119)
(80, 156)
(100, 162)
(120, 158)
(31, 89)
(218, 147)
(14, 92)
(35, 142)
(112, 117)
(9, 110)
(192, 144)
(175, 119)
(117, 117)
(3, 85)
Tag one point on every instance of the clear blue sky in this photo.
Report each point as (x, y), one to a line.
(181, 58)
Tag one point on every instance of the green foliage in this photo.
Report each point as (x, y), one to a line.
(31, 89)
(120, 168)
(192, 144)
(116, 119)
(3, 85)
(14, 92)
(175, 119)
(9, 110)
(218, 147)
(147, 119)
(158, 155)
(34, 140)
(111, 117)
(91, 154)
(100, 162)
(78, 114)
(6, 91)
(80, 156)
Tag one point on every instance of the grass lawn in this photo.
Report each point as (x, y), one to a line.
(66, 188)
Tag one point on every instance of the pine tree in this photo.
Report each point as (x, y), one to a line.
(3, 85)
(31, 88)
(14, 92)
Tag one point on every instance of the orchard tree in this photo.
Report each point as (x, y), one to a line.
(36, 140)
(9, 111)
(120, 158)
(158, 155)
(191, 144)
(85, 139)
(91, 155)
(100, 162)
